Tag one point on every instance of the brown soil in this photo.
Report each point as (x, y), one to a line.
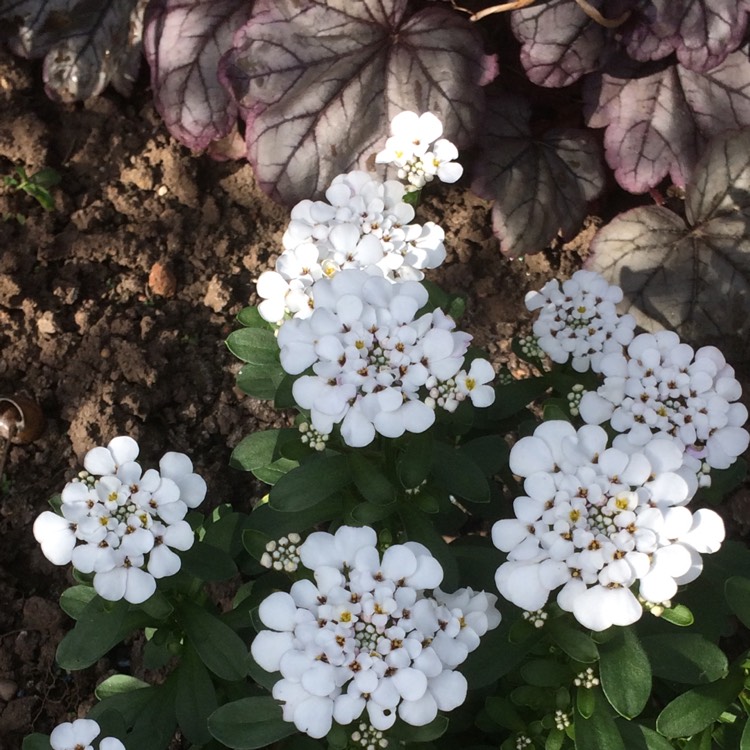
(114, 308)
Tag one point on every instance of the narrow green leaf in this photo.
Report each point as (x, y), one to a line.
(745, 739)
(370, 480)
(625, 673)
(101, 626)
(255, 346)
(74, 600)
(678, 615)
(585, 701)
(249, 723)
(490, 453)
(207, 562)
(369, 513)
(129, 705)
(261, 450)
(275, 523)
(413, 464)
(685, 657)
(695, 710)
(36, 741)
(516, 396)
(117, 684)
(545, 673)
(432, 731)
(737, 592)
(598, 731)
(638, 737)
(572, 641)
(260, 381)
(554, 740)
(504, 714)
(195, 698)
(250, 318)
(456, 473)
(310, 482)
(218, 646)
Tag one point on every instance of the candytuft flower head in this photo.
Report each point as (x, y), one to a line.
(79, 735)
(660, 386)
(601, 523)
(410, 149)
(365, 637)
(123, 524)
(364, 224)
(373, 361)
(579, 321)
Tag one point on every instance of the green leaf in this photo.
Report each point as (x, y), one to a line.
(685, 657)
(46, 177)
(737, 592)
(118, 684)
(255, 346)
(207, 562)
(74, 600)
(585, 702)
(101, 626)
(369, 513)
(598, 731)
(370, 481)
(504, 714)
(250, 318)
(407, 733)
(310, 482)
(678, 615)
(458, 475)
(745, 739)
(545, 673)
(638, 737)
(572, 641)
(625, 673)
(260, 453)
(490, 453)
(249, 723)
(695, 710)
(36, 741)
(218, 646)
(516, 396)
(129, 705)
(414, 462)
(195, 698)
(154, 725)
(554, 740)
(260, 381)
(275, 523)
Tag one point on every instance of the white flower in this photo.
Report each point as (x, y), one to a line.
(374, 365)
(579, 321)
(365, 224)
(410, 149)
(124, 525)
(366, 638)
(660, 386)
(79, 734)
(596, 523)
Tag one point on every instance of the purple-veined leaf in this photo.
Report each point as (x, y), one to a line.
(701, 32)
(183, 42)
(657, 124)
(86, 44)
(560, 42)
(694, 276)
(319, 81)
(541, 186)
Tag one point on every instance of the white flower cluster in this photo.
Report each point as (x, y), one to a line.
(364, 224)
(579, 321)
(373, 363)
(660, 386)
(365, 636)
(410, 149)
(79, 734)
(122, 524)
(604, 523)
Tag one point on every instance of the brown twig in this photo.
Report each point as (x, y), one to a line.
(6, 447)
(608, 23)
(502, 8)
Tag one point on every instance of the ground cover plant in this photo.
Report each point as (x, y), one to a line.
(386, 629)
(392, 632)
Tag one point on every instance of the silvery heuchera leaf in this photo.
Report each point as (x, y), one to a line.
(701, 32)
(541, 186)
(692, 277)
(560, 42)
(86, 44)
(183, 42)
(658, 122)
(319, 81)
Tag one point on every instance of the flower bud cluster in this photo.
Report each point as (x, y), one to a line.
(365, 636)
(365, 224)
(578, 321)
(660, 386)
(603, 523)
(125, 524)
(282, 554)
(418, 152)
(586, 679)
(374, 361)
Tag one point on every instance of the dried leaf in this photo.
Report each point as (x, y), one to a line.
(657, 123)
(701, 32)
(541, 186)
(692, 277)
(183, 42)
(560, 41)
(319, 81)
(86, 44)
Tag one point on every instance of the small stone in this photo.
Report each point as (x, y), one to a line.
(218, 295)
(162, 281)
(8, 689)
(46, 323)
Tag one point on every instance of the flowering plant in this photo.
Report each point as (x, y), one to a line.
(579, 495)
